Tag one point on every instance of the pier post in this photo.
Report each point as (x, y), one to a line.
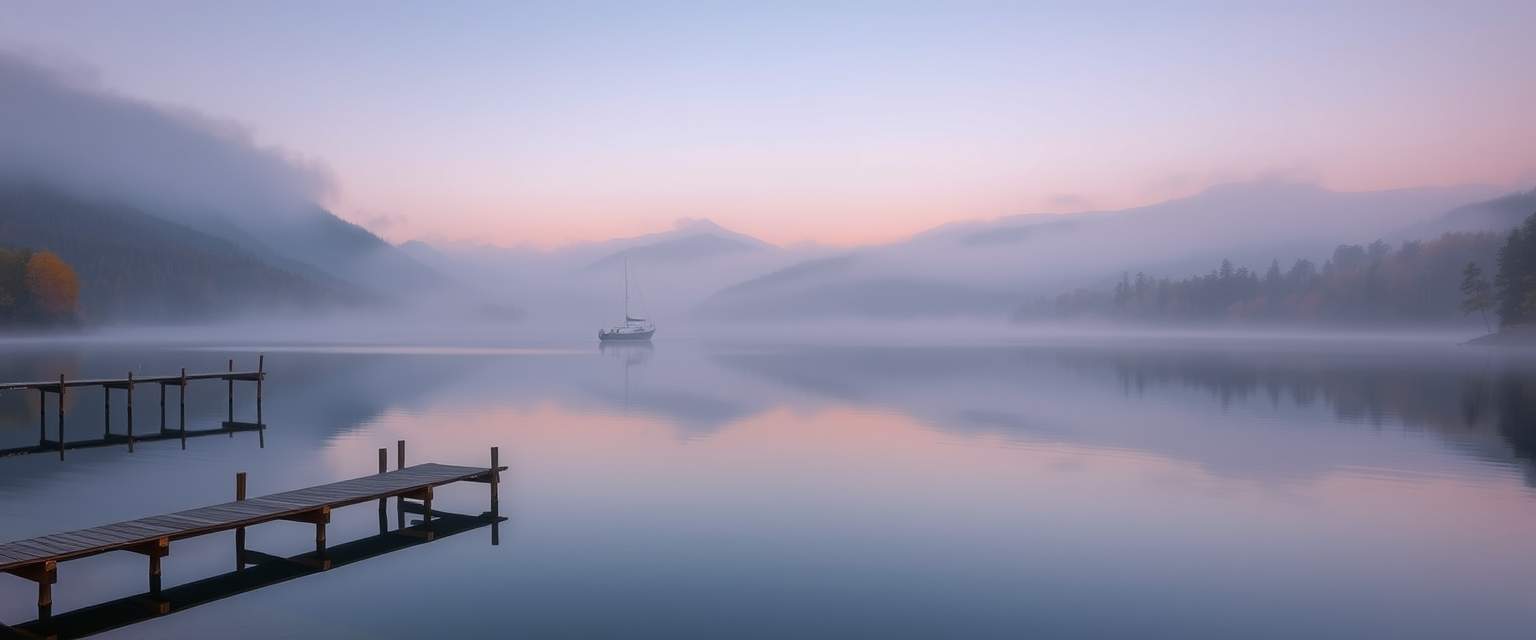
(182, 396)
(383, 502)
(495, 498)
(400, 501)
(426, 511)
(240, 532)
(130, 412)
(42, 417)
(61, 416)
(261, 374)
(320, 534)
(47, 574)
(106, 406)
(154, 575)
(231, 381)
(495, 477)
(162, 407)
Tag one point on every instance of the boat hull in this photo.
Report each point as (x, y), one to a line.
(635, 336)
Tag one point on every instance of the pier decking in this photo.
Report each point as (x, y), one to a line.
(37, 559)
(60, 388)
(142, 607)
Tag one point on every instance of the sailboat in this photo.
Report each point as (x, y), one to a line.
(633, 329)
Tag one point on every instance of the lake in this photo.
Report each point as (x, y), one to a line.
(1077, 489)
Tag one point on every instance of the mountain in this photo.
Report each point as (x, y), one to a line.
(1498, 214)
(980, 268)
(314, 242)
(137, 267)
(691, 240)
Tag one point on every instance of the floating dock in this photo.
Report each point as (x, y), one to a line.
(62, 386)
(37, 559)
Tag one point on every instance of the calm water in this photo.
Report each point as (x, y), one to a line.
(691, 490)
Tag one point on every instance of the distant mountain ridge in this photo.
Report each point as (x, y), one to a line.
(315, 242)
(977, 267)
(690, 240)
(1498, 214)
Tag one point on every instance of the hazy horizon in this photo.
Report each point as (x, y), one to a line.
(547, 125)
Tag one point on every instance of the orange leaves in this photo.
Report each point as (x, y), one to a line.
(53, 285)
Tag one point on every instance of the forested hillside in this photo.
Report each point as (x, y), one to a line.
(1416, 283)
(136, 267)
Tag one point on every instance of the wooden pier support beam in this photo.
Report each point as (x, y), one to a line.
(61, 416)
(495, 496)
(495, 477)
(154, 576)
(106, 405)
(182, 395)
(426, 516)
(261, 375)
(400, 501)
(42, 417)
(240, 533)
(231, 385)
(45, 598)
(130, 412)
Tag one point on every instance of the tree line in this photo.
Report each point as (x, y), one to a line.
(1512, 293)
(37, 288)
(1415, 283)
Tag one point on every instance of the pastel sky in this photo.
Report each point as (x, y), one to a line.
(840, 123)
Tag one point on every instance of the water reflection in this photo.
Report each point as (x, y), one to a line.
(1080, 491)
(1477, 405)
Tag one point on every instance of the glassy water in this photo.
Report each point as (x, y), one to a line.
(1194, 490)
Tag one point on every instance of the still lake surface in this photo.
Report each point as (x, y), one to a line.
(1195, 489)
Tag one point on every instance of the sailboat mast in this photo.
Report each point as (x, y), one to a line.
(626, 288)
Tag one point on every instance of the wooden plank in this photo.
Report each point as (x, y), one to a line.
(141, 530)
(33, 550)
(86, 541)
(109, 536)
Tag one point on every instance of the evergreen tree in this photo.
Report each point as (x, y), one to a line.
(1476, 292)
(1516, 280)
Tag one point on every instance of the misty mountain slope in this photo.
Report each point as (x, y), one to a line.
(314, 242)
(972, 268)
(1250, 213)
(1498, 214)
(347, 251)
(188, 169)
(790, 275)
(671, 271)
(691, 240)
(137, 267)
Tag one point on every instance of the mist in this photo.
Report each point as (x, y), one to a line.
(66, 130)
(309, 274)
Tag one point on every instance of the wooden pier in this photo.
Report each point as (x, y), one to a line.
(130, 610)
(61, 387)
(38, 559)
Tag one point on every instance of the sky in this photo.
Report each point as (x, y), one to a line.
(543, 124)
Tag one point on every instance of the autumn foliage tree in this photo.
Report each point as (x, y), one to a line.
(55, 289)
(37, 288)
